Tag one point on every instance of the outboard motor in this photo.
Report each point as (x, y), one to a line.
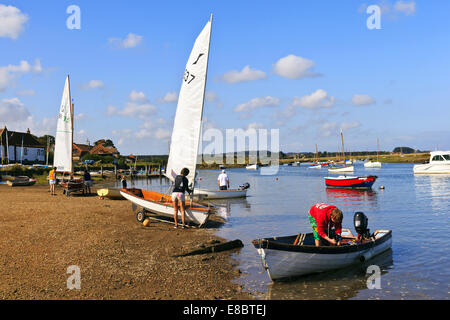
(245, 186)
(361, 223)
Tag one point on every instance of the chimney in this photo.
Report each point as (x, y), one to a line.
(28, 130)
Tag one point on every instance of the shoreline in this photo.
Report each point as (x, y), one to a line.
(118, 257)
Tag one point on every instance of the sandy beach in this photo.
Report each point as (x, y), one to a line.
(43, 235)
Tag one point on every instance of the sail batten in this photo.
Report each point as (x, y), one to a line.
(188, 118)
(64, 133)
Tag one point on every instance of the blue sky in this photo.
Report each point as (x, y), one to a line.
(307, 68)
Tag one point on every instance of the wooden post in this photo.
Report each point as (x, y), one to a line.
(115, 170)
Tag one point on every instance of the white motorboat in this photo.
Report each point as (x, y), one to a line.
(439, 164)
(252, 167)
(185, 138)
(317, 166)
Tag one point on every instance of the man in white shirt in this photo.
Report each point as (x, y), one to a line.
(223, 181)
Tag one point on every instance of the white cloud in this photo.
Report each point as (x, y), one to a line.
(362, 100)
(133, 110)
(246, 74)
(408, 8)
(11, 72)
(12, 21)
(169, 97)
(328, 128)
(13, 110)
(136, 107)
(136, 96)
(257, 103)
(294, 67)
(93, 84)
(350, 125)
(317, 99)
(24, 93)
(132, 40)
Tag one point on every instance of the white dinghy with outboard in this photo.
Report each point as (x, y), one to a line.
(283, 259)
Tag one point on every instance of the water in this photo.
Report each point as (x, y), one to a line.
(415, 208)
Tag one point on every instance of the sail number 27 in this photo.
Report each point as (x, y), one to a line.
(188, 77)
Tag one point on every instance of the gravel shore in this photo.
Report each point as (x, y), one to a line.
(118, 258)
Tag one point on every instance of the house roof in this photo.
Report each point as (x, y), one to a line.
(100, 149)
(15, 138)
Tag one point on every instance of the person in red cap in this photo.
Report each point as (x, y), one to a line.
(322, 217)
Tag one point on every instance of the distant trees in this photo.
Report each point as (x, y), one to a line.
(405, 150)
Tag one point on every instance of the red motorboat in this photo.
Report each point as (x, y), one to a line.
(350, 182)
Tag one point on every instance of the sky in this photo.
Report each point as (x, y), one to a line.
(307, 68)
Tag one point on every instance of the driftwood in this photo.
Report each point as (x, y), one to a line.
(215, 248)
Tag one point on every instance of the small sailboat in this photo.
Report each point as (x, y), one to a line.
(64, 143)
(183, 150)
(315, 164)
(345, 168)
(373, 164)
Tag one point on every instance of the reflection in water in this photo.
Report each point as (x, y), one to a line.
(337, 285)
(224, 206)
(351, 196)
(437, 186)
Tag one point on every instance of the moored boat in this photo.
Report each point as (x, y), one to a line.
(341, 169)
(439, 164)
(252, 167)
(205, 194)
(351, 182)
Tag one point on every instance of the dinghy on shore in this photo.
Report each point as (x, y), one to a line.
(21, 181)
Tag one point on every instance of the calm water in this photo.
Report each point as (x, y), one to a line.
(415, 208)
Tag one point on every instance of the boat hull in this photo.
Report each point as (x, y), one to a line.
(195, 213)
(432, 168)
(110, 193)
(220, 194)
(371, 164)
(350, 182)
(21, 183)
(282, 260)
(343, 169)
(252, 167)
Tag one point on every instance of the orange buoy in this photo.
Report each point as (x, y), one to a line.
(146, 222)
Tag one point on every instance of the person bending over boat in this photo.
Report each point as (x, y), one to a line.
(322, 217)
(52, 181)
(181, 186)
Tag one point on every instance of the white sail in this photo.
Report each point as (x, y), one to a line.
(188, 118)
(64, 131)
